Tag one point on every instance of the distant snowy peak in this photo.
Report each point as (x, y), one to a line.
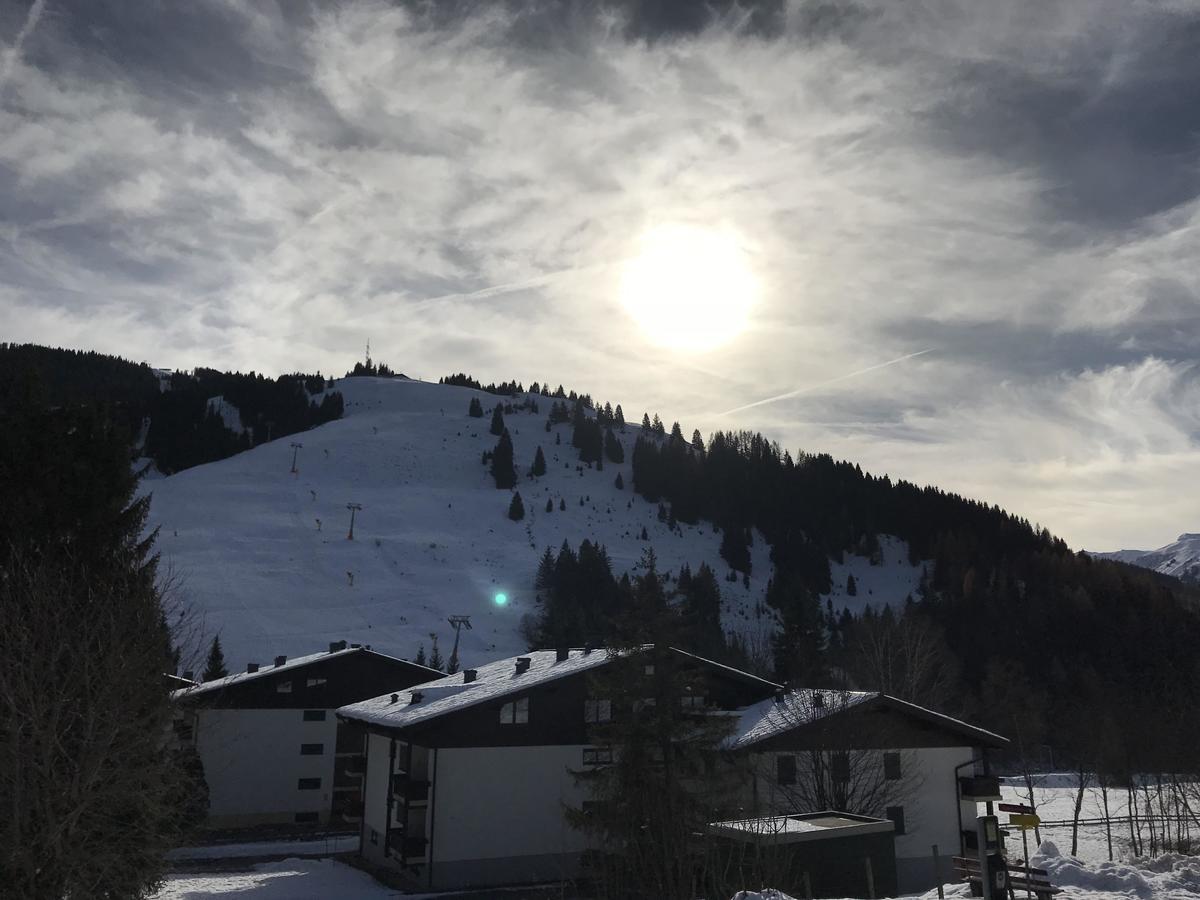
(1180, 559)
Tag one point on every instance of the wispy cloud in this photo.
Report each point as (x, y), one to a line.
(1011, 183)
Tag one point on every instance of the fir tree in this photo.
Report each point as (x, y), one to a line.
(539, 464)
(497, 427)
(619, 418)
(516, 509)
(549, 505)
(435, 655)
(475, 409)
(697, 441)
(562, 504)
(851, 586)
(647, 428)
(503, 471)
(620, 482)
(612, 447)
(215, 666)
(419, 659)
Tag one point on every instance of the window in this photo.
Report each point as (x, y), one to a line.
(891, 766)
(515, 713)
(309, 784)
(283, 687)
(315, 682)
(597, 756)
(314, 715)
(785, 769)
(597, 710)
(896, 814)
(312, 749)
(692, 702)
(840, 768)
(306, 817)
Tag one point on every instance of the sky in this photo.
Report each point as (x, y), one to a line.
(972, 226)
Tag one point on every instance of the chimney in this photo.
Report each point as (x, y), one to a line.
(417, 696)
(779, 696)
(523, 664)
(587, 648)
(469, 675)
(280, 660)
(818, 699)
(251, 667)
(395, 697)
(189, 676)
(333, 647)
(561, 654)
(352, 646)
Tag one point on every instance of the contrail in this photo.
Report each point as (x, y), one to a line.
(10, 58)
(813, 387)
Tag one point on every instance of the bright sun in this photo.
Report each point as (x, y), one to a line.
(689, 288)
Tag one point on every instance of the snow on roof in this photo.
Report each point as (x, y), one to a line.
(263, 671)
(801, 707)
(454, 692)
(768, 718)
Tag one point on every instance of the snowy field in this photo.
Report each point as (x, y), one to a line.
(1166, 878)
(1054, 795)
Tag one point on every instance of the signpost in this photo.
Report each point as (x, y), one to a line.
(1024, 818)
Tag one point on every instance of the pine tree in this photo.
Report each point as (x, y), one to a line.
(676, 434)
(697, 441)
(659, 429)
(419, 659)
(215, 666)
(435, 655)
(647, 428)
(620, 482)
(516, 509)
(562, 504)
(549, 505)
(86, 644)
(503, 471)
(851, 586)
(619, 418)
(497, 427)
(539, 464)
(475, 409)
(612, 447)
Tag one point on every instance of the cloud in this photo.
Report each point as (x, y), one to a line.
(1012, 185)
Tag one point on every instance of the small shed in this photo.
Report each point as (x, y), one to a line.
(830, 854)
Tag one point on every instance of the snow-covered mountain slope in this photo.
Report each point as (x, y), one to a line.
(888, 581)
(1180, 559)
(262, 556)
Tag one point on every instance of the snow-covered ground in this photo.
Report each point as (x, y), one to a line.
(328, 846)
(1166, 878)
(292, 879)
(261, 555)
(887, 583)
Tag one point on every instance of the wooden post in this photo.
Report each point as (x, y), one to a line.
(937, 872)
(1028, 874)
(870, 878)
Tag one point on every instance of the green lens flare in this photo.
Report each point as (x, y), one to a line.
(501, 599)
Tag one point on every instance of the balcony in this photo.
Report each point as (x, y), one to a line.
(979, 788)
(409, 790)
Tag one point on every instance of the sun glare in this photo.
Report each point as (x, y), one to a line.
(689, 288)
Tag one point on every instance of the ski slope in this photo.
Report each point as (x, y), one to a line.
(261, 555)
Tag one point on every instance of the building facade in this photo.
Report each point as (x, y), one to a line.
(468, 777)
(271, 747)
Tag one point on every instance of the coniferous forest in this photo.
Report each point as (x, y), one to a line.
(184, 430)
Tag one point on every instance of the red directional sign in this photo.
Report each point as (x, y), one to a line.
(1019, 808)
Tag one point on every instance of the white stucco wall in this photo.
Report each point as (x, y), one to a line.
(375, 793)
(929, 816)
(527, 786)
(252, 764)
